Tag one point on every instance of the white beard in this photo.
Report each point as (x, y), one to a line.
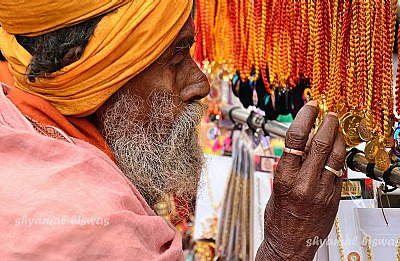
(161, 156)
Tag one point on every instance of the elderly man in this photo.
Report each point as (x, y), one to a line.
(102, 122)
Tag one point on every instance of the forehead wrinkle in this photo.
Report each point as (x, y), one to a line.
(187, 32)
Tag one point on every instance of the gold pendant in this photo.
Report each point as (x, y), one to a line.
(371, 148)
(390, 128)
(352, 142)
(321, 114)
(340, 109)
(342, 118)
(382, 159)
(363, 131)
(350, 126)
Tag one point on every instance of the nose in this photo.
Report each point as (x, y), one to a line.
(198, 86)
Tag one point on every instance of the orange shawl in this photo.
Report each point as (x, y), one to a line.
(5, 75)
(42, 111)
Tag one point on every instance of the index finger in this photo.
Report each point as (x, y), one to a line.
(321, 147)
(296, 138)
(299, 130)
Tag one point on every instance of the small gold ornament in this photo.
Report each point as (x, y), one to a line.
(363, 131)
(382, 159)
(204, 250)
(351, 125)
(371, 149)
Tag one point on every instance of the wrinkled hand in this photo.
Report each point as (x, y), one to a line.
(306, 196)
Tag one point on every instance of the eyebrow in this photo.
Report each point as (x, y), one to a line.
(186, 39)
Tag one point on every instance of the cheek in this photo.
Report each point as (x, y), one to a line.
(185, 72)
(167, 79)
(156, 78)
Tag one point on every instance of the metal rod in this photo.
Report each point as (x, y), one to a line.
(360, 164)
(275, 128)
(278, 129)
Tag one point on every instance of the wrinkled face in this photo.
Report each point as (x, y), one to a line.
(151, 123)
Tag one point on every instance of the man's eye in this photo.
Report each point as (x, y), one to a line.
(186, 45)
(190, 43)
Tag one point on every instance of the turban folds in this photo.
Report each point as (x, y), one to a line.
(125, 42)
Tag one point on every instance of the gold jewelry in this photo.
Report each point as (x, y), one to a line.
(229, 212)
(210, 194)
(369, 249)
(398, 249)
(294, 152)
(366, 239)
(339, 238)
(210, 230)
(338, 173)
(260, 216)
(204, 250)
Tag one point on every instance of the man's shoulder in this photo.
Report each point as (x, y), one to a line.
(37, 170)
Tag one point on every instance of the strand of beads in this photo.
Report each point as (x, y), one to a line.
(250, 29)
(370, 74)
(242, 37)
(259, 37)
(266, 59)
(273, 73)
(342, 48)
(295, 42)
(305, 33)
(382, 158)
(377, 41)
(345, 44)
(321, 57)
(336, 95)
(362, 55)
(291, 35)
(312, 38)
(352, 95)
(397, 93)
(334, 91)
(392, 35)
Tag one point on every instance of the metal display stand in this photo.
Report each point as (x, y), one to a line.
(356, 160)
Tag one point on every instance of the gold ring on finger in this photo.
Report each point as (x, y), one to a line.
(294, 152)
(338, 173)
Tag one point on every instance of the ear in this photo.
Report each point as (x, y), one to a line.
(72, 55)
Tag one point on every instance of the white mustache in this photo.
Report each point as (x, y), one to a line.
(162, 155)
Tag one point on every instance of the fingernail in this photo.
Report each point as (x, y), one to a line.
(332, 113)
(312, 103)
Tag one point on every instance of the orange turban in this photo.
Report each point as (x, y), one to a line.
(124, 43)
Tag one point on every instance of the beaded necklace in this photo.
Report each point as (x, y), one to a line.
(303, 45)
(334, 92)
(312, 38)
